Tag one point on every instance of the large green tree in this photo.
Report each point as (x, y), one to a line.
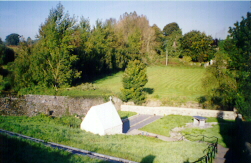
(171, 43)
(198, 46)
(220, 83)
(54, 51)
(170, 28)
(12, 39)
(134, 80)
(238, 46)
(21, 72)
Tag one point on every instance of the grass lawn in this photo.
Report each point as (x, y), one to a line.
(126, 114)
(164, 125)
(171, 85)
(14, 149)
(224, 130)
(136, 148)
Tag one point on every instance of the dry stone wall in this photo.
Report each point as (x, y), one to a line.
(179, 111)
(53, 105)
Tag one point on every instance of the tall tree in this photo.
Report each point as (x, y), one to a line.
(238, 46)
(170, 28)
(12, 39)
(220, 83)
(197, 45)
(159, 39)
(21, 72)
(134, 80)
(172, 44)
(130, 27)
(55, 49)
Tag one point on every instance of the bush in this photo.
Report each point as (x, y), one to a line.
(134, 80)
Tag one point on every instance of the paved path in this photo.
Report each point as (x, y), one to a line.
(138, 122)
(225, 155)
(71, 149)
(132, 126)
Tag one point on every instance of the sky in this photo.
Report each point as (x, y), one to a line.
(212, 17)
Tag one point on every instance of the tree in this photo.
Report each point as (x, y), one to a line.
(54, 51)
(159, 39)
(134, 80)
(12, 39)
(170, 28)
(21, 72)
(238, 46)
(131, 28)
(197, 45)
(172, 44)
(6, 55)
(220, 83)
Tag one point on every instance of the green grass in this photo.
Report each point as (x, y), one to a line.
(164, 125)
(137, 148)
(172, 85)
(224, 130)
(126, 114)
(14, 149)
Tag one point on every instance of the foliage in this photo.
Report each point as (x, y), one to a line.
(20, 68)
(136, 37)
(14, 149)
(220, 83)
(238, 47)
(12, 39)
(164, 125)
(6, 55)
(170, 28)
(197, 45)
(134, 79)
(159, 38)
(172, 44)
(134, 148)
(54, 57)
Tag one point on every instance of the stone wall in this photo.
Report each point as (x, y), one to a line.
(179, 111)
(53, 105)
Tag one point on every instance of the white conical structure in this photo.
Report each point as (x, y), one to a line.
(103, 120)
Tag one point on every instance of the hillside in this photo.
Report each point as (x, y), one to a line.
(171, 85)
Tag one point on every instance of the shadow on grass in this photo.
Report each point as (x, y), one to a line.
(148, 159)
(18, 150)
(93, 77)
(148, 90)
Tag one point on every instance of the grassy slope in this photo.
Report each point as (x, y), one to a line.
(137, 148)
(13, 149)
(177, 84)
